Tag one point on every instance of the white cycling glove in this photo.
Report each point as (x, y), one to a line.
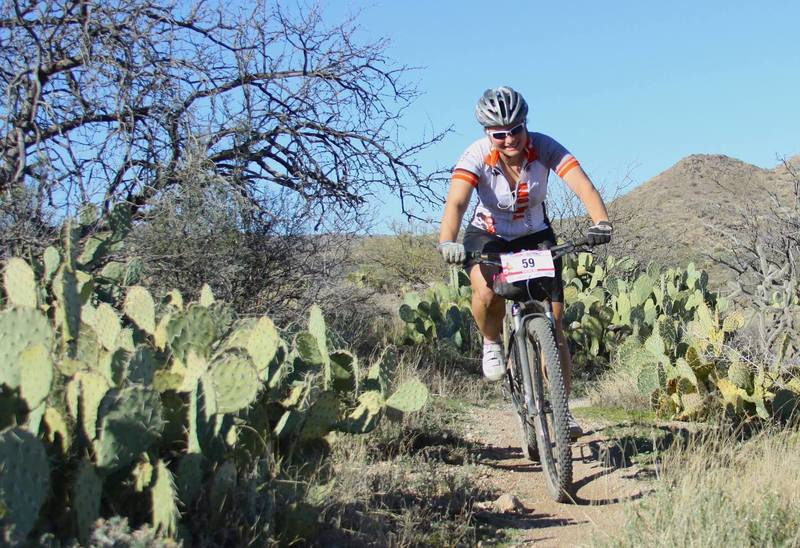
(452, 252)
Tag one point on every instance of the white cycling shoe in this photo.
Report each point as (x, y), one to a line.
(493, 367)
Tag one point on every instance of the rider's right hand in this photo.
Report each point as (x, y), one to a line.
(453, 252)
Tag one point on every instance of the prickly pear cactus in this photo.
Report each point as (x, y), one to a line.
(24, 482)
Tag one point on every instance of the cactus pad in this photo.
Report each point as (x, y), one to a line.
(36, 375)
(174, 299)
(94, 248)
(411, 396)
(163, 496)
(741, 375)
(308, 349)
(344, 369)
(289, 423)
(131, 424)
(366, 416)
(222, 485)
(20, 328)
(142, 474)
(731, 395)
(86, 493)
(733, 322)
(316, 326)
(322, 417)
(194, 329)
(19, 283)
(142, 365)
(140, 308)
(262, 344)
(85, 392)
(235, 382)
(51, 260)
(66, 289)
(189, 479)
(107, 326)
(24, 482)
(648, 380)
(206, 296)
(88, 348)
(57, 429)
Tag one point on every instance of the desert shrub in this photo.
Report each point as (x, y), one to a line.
(402, 261)
(763, 252)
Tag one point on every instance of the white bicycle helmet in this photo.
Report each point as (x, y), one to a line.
(501, 106)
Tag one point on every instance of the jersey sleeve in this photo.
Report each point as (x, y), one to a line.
(468, 167)
(554, 155)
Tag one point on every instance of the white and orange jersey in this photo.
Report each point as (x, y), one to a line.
(501, 211)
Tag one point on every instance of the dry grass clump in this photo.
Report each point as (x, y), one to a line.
(617, 388)
(722, 492)
(408, 483)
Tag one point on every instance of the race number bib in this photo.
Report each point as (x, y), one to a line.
(525, 265)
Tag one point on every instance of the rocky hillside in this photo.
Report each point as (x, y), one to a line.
(681, 215)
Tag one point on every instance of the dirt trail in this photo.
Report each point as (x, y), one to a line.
(602, 489)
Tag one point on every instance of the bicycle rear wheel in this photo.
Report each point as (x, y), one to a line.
(552, 428)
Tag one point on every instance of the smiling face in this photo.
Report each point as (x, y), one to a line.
(513, 142)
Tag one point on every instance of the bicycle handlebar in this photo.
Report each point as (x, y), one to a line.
(557, 251)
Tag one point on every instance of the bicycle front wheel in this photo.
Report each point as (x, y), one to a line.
(552, 428)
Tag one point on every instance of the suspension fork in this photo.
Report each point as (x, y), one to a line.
(520, 322)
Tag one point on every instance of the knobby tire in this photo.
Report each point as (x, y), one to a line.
(552, 428)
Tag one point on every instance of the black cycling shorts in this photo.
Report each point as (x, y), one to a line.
(476, 239)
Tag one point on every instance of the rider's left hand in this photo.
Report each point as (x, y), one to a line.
(600, 233)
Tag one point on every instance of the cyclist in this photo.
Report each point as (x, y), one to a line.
(509, 167)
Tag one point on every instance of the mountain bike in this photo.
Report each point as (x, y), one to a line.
(534, 376)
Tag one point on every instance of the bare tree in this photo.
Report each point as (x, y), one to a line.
(102, 100)
(764, 253)
(233, 134)
(571, 220)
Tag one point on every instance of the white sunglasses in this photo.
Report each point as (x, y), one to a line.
(501, 135)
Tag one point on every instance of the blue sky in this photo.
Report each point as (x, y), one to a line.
(629, 87)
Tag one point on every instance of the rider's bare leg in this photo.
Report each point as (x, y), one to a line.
(487, 308)
(563, 348)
